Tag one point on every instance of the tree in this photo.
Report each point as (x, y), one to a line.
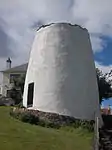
(17, 89)
(104, 85)
(20, 83)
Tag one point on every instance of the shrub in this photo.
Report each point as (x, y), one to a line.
(89, 125)
(41, 123)
(39, 118)
(76, 124)
(24, 116)
(28, 117)
(52, 125)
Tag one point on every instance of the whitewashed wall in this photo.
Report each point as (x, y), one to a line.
(62, 68)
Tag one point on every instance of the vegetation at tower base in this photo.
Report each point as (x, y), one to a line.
(52, 120)
(104, 84)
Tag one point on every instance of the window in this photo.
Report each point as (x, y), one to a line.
(30, 94)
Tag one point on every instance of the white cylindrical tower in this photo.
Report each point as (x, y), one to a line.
(61, 75)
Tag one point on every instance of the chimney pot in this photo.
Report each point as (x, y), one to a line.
(8, 63)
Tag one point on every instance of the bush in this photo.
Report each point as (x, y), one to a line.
(76, 124)
(33, 117)
(41, 123)
(52, 125)
(28, 117)
(89, 125)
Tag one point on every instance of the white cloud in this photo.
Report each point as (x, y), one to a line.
(96, 17)
(20, 16)
(103, 68)
(98, 44)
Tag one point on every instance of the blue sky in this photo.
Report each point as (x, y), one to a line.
(105, 56)
(108, 102)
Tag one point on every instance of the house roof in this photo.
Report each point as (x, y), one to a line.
(21, 68)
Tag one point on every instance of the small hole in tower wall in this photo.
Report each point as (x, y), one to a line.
(30, 94)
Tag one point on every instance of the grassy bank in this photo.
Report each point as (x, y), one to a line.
(15, 135)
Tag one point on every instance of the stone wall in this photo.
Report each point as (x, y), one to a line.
(55, 119)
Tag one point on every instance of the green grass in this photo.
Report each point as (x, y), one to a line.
(15, 135)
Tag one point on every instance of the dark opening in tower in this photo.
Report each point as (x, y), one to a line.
(30, 94)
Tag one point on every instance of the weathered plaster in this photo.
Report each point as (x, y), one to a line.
(62, 68)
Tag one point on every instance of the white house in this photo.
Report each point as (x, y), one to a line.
(9, 74)
(61, 75)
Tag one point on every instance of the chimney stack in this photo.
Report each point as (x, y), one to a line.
(8, 63)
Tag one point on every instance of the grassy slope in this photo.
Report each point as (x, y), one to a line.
(15, 135)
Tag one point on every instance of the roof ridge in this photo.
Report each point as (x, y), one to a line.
(15, 67)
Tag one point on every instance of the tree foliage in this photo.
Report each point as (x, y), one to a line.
(20, 83)
(17, 89)
(104, 85)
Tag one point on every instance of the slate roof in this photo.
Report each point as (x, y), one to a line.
(21, 68)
